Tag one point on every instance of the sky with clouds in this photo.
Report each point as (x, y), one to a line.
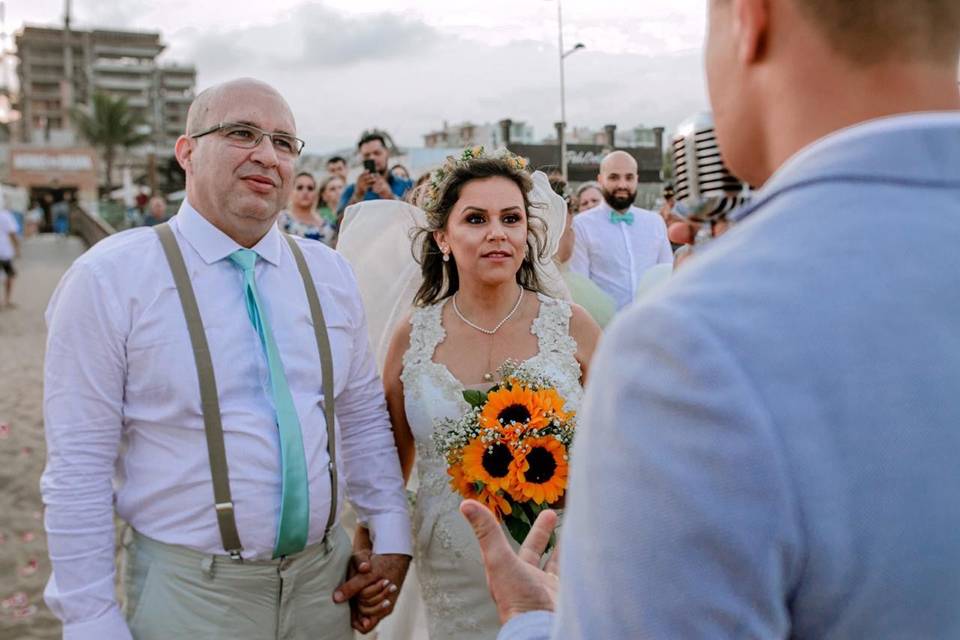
(409, 65)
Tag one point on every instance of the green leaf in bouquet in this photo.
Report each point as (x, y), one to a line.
(475, 398)
(518, 528)
(520, 521)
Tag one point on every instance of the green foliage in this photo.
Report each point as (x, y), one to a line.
(521, 521)
(109, 124)
(518, 523)
(475, 398)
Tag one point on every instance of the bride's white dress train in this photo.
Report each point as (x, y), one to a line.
(447, 557)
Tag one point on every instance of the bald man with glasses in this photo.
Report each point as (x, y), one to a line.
(210, 381)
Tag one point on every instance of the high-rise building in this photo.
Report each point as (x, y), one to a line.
(62, 67)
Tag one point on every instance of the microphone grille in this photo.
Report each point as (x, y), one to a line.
(705, 188)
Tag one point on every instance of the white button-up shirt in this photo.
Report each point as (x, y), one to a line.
(124, 422)
(8, 227)
(615, 254)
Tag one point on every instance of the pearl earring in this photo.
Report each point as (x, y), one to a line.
(446, 257)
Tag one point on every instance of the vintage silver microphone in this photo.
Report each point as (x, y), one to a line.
(705, 189)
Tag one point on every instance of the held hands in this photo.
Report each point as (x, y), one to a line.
(516, 581)
(373, 584)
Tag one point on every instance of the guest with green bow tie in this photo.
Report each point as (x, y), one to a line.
(616, 241)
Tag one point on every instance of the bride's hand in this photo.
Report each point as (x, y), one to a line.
(372, 587)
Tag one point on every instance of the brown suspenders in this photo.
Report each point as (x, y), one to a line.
(326, 369)
(213, 427)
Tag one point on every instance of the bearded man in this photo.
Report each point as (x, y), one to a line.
(616, 241)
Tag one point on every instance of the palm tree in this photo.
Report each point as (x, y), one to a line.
(108, 125)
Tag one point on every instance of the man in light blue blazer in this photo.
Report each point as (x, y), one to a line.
(770, 446)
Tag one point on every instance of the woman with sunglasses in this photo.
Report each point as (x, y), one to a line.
(301, 218)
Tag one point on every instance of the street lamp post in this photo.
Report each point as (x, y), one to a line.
(563, 91)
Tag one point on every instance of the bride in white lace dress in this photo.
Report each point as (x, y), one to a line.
(479, 305)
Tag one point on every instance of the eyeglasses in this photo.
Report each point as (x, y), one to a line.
(246, 136)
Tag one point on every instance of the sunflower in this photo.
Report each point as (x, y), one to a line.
(513, 404)
(489, 463)
(467, 488)
(552, 404)
(495, 501)
(459, 482)
(541, 469)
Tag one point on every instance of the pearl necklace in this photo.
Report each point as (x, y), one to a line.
(489, 332)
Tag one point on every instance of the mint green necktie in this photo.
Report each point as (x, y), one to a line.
(295, 494)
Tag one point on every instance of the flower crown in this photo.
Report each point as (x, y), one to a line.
(469, 154)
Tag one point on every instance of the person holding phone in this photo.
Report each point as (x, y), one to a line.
(375, 182)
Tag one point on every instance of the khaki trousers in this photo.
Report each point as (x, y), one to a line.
(173, 592)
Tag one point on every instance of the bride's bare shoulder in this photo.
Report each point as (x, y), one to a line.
(402, 331)
(583, 328)
(399, 343)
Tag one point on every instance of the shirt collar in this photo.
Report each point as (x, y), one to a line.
(214, 245)
(798, 161)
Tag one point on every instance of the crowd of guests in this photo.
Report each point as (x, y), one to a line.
(607, 251)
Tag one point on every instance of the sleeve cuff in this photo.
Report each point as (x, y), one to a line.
(110, 625)
(391, 533)
(533, 625)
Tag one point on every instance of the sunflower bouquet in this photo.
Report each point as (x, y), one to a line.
(510, 451)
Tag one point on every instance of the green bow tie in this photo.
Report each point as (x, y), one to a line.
(616, 217)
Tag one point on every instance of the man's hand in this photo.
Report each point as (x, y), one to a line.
(515, 580)
(381, 187)
(365, 181)
(372, 587)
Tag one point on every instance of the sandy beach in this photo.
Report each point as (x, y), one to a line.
(24, 567)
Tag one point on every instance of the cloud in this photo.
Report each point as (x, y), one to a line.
(110, 15)
(465, 80)
(311, 36)
(346, 66)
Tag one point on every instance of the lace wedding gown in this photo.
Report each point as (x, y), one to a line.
(447, 557)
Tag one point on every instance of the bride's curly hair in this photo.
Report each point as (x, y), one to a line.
(440, 279)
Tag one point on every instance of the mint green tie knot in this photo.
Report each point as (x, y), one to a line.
(246, 259)
(293, 528)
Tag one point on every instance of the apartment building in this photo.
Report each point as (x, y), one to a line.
(60, 68)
